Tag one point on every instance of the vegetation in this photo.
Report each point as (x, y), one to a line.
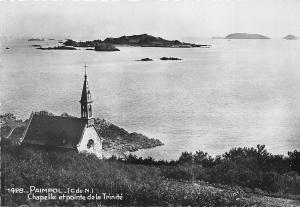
(139, 185)
(146, 181)
(248, 167)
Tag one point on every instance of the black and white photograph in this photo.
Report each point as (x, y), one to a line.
(150, 103)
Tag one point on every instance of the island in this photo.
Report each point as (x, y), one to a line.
(290, 37)
(143, 40)
(57, 48)
(73, 43)
(245, 36)
(98, 45)
(117, 140)
(36, 39)
(105, 47)
(169, 58)
(145, 59)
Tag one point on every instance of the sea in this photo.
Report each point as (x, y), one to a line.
(235, 93)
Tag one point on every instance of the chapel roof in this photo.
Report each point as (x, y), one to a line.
(54, 131)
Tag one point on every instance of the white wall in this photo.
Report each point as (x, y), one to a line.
(90, 133)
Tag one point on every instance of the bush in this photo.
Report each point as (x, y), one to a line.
(141, 185)
(146, 181)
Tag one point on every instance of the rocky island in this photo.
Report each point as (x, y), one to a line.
(116, 140)
(145, 59)
(170, 58)
(73, 43)
(105, 47)
(145, 40)
(36, 39)
(290, 37)
(57, 48)
(245, 36)
(98, 45)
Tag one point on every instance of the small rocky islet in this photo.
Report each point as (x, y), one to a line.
(36, 39)
(170, 58)
(145, 59)
(57, 48)
(162, 58)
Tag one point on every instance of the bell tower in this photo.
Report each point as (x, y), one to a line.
(86, 102)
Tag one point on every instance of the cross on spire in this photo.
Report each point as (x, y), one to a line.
(85, 66)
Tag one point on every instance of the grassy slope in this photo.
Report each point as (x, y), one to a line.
(139, 184)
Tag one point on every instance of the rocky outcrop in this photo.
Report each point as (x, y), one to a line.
(98, 45)
(105, 47)
(145, 59)
(73, 43)
(245, 36)
(57, 48)
(36, 39)
(170, 58)
(116, 139)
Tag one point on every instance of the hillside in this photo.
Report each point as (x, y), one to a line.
(116, 140)
(245, 36)
(150, 183)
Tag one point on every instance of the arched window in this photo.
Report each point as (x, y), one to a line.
(90, 144)
(90, 110)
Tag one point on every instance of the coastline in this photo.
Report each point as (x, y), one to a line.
(117, 141)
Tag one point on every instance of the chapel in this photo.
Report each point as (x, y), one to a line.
(66, 133)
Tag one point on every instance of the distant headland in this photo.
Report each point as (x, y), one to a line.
(245, 36)
(290, 37)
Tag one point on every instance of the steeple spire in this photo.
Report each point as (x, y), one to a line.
(85, 66)
(86, 101)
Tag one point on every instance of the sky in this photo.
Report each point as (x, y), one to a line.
(169, 19)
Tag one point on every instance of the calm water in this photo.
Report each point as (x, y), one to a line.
(237, 93)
